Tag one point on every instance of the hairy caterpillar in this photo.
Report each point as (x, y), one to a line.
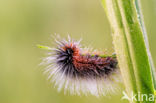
(80, 71)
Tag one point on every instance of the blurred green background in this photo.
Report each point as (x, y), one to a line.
(25, 23)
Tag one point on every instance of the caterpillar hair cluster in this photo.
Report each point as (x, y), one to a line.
(80, 71)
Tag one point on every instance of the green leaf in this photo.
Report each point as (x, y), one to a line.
(43, 47)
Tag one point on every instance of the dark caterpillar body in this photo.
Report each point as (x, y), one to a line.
(78, 71)
(84, 66)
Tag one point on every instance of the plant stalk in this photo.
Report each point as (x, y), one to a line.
(130, 48)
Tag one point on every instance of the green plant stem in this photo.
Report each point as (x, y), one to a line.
(130, 47)
(140, 17)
